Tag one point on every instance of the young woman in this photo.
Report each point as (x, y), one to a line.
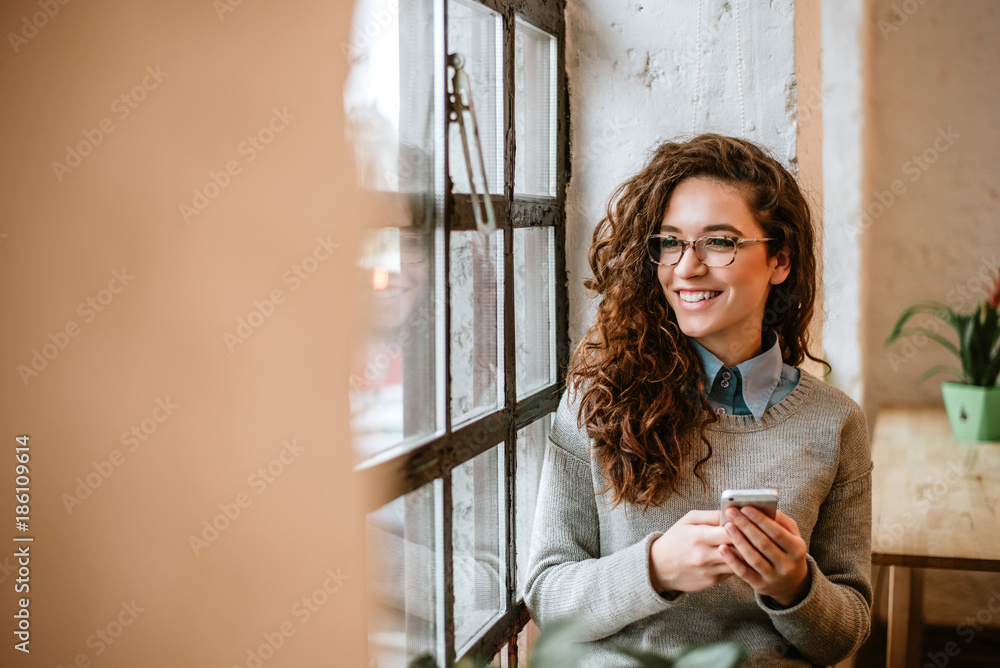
(688, 384)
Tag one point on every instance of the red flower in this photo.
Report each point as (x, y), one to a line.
(995, 295)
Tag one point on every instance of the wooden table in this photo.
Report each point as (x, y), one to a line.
(935, 504)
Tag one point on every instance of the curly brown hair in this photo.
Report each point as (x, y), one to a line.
(645, 385)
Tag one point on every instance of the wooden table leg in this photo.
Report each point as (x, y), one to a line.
(905, 642)
(915, 625)
(899, 612)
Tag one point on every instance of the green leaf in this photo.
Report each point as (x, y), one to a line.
(425, 660)
(937, 309)
(993, 368)
(473, 662)
(941, 368)
(933, 336)
(965, 333)
(719, 655)
(646, 659)
(558, 645)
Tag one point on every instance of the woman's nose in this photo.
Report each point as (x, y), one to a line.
(689, 264)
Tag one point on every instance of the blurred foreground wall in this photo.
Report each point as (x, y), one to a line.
(177, 229)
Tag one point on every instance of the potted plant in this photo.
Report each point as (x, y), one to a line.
(972, 403)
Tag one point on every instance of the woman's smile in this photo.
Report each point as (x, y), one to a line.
(720, 307)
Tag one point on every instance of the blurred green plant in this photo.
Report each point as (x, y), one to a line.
(978, 347)
(557, 647)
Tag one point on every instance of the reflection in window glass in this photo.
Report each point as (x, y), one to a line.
(534, 308)
(478, 535)
(403, 549)
(476, 310)
(531, 442)
(534, 111)
(477, 33)
(392, 381)
(388, 99)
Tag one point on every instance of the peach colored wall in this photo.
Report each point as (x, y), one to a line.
(159, 335)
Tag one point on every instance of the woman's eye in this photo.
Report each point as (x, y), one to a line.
(719, 243)
(668, 243)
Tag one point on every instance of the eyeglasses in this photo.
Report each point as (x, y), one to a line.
(712, 251)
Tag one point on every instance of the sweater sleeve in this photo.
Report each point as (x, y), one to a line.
(834, 618)
(567, 575)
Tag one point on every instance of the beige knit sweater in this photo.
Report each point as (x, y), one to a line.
(592, 562)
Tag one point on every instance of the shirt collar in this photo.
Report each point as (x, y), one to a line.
(759, 374)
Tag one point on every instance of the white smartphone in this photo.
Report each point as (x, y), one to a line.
(764, 500)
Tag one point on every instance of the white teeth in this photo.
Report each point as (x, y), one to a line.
(697, 296)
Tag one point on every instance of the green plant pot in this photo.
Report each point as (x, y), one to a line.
(973, 410)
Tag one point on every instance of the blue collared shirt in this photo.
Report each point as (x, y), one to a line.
(750, 387)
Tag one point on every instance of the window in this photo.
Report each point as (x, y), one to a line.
(456, 380)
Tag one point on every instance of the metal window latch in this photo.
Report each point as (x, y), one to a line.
(461, 102)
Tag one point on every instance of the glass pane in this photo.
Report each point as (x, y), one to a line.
(389, 103)
(531, 441)
(392, 381)
(476, 285)
(534, 111)
(403, 550)
(388, 95)
(534, 308)
(478, 534)
(477, 33)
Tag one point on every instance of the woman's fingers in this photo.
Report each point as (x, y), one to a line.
(748, 551)
(764, 544)
(787, 523)
(739, 567)
(700, 517)
(756, 525)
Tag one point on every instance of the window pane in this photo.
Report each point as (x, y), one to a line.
(534, 308)
(534, 111)
(477, 34)
(403, 550)
(478, 534)
(389, 102)
(531, 442)
(393, 385)
(476, 285)
(388, 95)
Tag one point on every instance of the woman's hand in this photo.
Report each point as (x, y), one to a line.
(769, 555)
(686, 557)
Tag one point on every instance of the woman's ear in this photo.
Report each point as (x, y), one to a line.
(781, 265)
